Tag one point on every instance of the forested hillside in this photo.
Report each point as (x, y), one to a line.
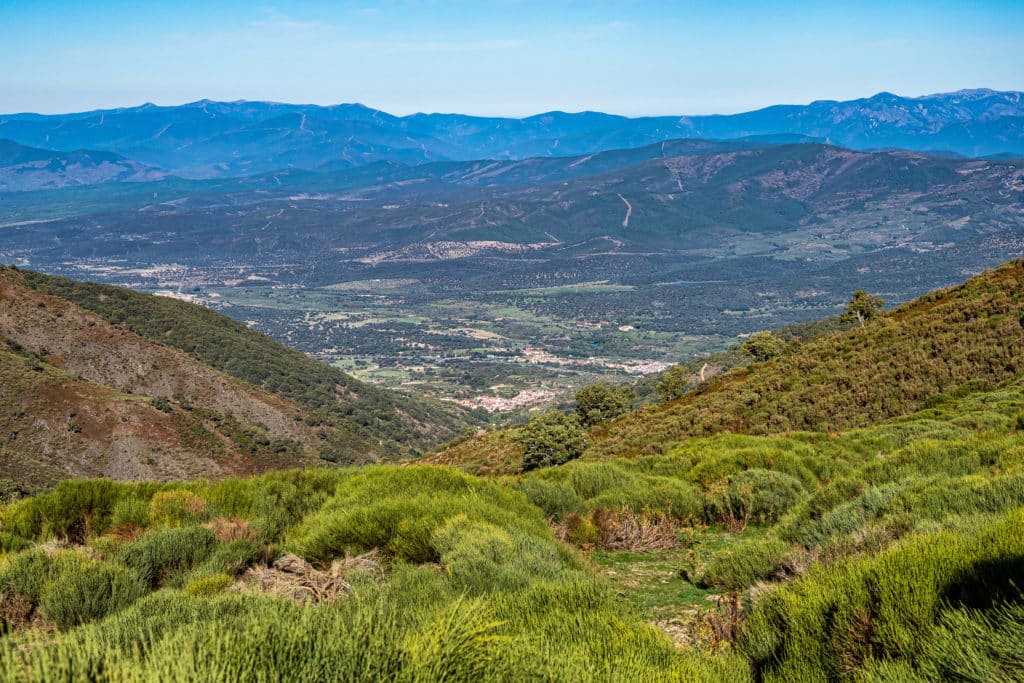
(970, 334)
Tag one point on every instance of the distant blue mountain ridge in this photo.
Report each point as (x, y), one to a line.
(208, 139)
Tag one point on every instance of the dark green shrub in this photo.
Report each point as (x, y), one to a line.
(847, 518)
(555, 498)
(591, 479)
(582, 530)
(597, 403)
(228, 558)
(976, 645)
(862, 307)
(25, 573)
(11, 491)
(277, 499)
(715, 468)
(163, 556)
(763, 346)
(81, 590)
(132, 512)
(740, 566)
(10, 543)
(579, 487)
(840, 616)
(483, 558)
(178, 506)
(74, 510)
(671, 497)
(397, 509)
(674, 383)
(758, 496)
(551, 439)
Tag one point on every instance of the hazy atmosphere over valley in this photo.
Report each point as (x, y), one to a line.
(512, 340)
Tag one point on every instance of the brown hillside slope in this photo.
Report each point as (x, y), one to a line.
(82, 397)
(973, 332)
(87, 346)
(54, 426)
(387, 424)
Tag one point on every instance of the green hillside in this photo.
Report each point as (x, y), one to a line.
(970, 334)
(881, 546)
(967, 337)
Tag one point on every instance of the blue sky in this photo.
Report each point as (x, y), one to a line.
(502, 57)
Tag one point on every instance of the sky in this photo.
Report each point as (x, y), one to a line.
(502, 57)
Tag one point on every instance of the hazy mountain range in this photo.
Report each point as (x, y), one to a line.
(31, 168)
(209, 139)
(785, 201)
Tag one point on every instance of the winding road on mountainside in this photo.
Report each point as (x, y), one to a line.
(629, 210)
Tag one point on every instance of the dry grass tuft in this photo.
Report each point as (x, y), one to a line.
(715, 629)
(293, 577)
(17, 613)
(228, 529)
(628, 530)
(126, 532)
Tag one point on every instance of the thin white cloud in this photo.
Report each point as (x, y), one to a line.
(434, 46)
(592, 31)
(284, 23)
(271, 19)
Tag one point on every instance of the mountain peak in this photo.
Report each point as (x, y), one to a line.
(884, 96)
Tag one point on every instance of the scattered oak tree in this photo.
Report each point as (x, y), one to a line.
(597, 403)
(550, 439)
(862, 307)
(674, 383)
(762, 346)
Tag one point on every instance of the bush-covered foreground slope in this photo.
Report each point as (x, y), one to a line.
(856, 554)
(106, 381)
(427, 574)
(892, 552)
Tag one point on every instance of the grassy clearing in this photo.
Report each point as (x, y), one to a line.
(651, 582)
